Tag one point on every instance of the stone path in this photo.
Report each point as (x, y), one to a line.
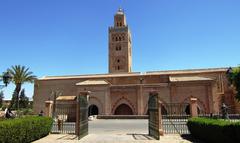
(111, 138)
(115, 131)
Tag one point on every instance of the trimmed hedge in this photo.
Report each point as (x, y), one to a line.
(24, 130)
(214, 130)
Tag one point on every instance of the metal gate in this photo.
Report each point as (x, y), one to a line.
(153, 111)
(175, 119)
(83, 120)
(64, 115)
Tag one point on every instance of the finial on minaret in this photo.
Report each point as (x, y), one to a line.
(120, 10)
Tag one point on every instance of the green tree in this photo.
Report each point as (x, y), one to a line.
(20, 75)
(23, 100)
(1, 98)
(234, 79)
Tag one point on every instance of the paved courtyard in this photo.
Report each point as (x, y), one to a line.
(114, 131)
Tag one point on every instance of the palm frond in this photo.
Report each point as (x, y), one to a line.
(21, 74)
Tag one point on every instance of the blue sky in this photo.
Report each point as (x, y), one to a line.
(69, 37)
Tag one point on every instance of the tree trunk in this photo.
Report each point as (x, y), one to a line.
(17, 90)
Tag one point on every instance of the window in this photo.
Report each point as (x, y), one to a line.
(118, 67)
(118, 48)
(118, 61)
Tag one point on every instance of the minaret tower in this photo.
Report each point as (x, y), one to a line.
(120, 47)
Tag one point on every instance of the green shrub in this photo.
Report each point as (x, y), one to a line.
(214, 130)
(24, 130)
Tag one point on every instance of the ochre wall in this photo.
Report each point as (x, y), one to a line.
(134, 92)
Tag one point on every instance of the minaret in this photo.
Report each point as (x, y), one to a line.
(120, 47)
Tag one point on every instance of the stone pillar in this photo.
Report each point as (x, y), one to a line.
(107, 102)
(49, 108)
(193, 107)
(211, 92)
(160, 118)
(139, 100)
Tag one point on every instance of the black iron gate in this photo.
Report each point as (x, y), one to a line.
(83, 120)
(175, 119)
(64, 115)
(153, 111)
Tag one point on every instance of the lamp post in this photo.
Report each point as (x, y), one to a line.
(229, 71)
(7, 77)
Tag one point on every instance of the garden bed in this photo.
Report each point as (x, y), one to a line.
(24, 130)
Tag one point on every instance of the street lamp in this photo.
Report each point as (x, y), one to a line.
(7, 77)
(229, 71)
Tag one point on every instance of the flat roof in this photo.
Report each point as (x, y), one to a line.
(188, 78)
(167, 72)
(93, 82)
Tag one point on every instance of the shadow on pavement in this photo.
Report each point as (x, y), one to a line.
(141, 136)
(190, 138)
(68, 137)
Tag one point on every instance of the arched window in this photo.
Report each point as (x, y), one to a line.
(118, 60)
(118, 48)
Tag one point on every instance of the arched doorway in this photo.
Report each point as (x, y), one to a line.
(92, 110)
(123, 109)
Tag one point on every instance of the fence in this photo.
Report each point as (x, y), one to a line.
(64, 116)
(63, 128)
(175, 117)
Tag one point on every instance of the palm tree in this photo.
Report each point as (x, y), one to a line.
(20, 75)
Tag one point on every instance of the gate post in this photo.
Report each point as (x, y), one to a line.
(154, 117)
(193, 107)
(48, 108)
(77, 123)
(81, 117)
(160, 117)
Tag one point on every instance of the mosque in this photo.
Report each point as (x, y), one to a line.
(123, 92)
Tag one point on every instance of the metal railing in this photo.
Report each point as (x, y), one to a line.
(63, 127)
